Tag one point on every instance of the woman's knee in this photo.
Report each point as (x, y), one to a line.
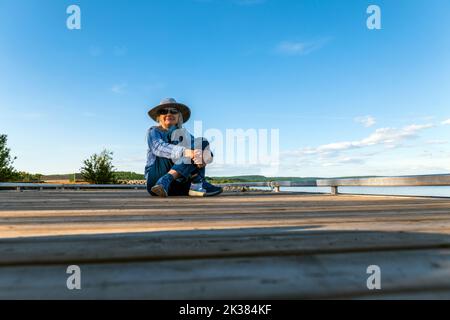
(201, 143)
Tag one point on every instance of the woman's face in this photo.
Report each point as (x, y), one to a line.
(168, 117)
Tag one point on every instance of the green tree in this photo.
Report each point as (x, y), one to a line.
(98, 169)
(27, 177)
(7, 171)
(125, 175)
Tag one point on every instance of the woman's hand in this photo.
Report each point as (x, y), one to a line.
(188, 153)
(196, 155)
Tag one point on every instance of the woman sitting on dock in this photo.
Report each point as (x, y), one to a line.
(175, 160)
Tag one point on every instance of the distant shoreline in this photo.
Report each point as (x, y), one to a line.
(121, 175)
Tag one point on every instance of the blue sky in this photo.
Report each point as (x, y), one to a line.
(347, 100)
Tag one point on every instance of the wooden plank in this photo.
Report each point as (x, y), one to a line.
(11, 217)
(235, 212)
(315, 276)
(205, 244)
(66, 228)
(436, 294)
(119, 196)
(122, 201)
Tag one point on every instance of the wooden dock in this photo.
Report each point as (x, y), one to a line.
(236, 246)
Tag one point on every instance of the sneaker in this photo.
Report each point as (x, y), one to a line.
(204, 189)
(161, 188)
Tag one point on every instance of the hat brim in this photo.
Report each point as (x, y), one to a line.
(185, 111)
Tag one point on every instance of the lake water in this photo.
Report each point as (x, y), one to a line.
(399, 191)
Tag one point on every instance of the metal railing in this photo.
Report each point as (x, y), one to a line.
(333, 184)
(61, 186)
(402, 181)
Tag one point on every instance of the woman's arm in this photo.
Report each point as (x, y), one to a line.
(163, 149)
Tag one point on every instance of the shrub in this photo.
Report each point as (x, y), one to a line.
(26, 177)
(98, 169)
(122, 175)
(7, 171)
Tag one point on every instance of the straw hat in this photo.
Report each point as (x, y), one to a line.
(171, 103)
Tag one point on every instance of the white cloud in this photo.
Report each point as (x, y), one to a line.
(378, 153)
(291, 48)
(366, 121)
(388, 137)
(433, 142)
(446, 122)
(118, 88)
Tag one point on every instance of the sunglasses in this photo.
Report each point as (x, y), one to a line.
(167, 111)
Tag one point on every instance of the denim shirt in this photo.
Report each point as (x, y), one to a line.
(160, 145)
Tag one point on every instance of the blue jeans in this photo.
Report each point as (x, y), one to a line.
(187, 169)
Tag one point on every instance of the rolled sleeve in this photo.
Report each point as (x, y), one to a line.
(159, 147)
